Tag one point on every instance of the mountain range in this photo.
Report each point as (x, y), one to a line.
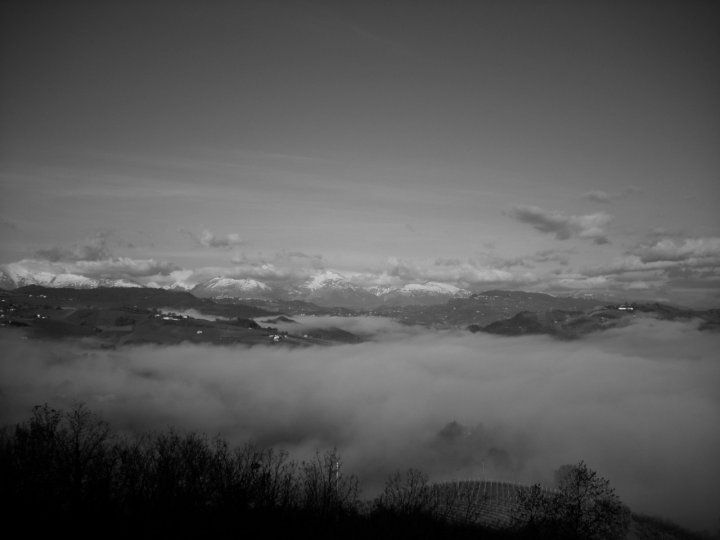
(325, 288)
(14, 277)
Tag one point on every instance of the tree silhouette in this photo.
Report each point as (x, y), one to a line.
(584, 506)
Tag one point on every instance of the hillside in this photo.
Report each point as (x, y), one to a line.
(493, 504)
(143, 298)
(574, 324)
(483, 308)
(110, 317)
(185, 485)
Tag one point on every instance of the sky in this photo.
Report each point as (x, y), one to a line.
(549, 146)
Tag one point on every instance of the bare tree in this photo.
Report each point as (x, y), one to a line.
(326, 490)
(583, 506)
(409, 493)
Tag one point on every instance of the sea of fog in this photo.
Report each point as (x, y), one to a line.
(640, 405)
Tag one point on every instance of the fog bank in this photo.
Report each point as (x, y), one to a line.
(640, 405)
(367, 327)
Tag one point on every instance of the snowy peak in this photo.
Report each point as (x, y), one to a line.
(13, 276)
(327, 279)
(431, 287)
(224, 287)
(123, 283)
(238, 284)
(73, 281)
(327, 288)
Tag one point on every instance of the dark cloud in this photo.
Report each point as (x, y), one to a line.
(551, 255)
(95, 248)
(603, 197)
(597, 196)
(563, 226)
(8, 225)
(638, 404)
(211, 240)
(123, 267)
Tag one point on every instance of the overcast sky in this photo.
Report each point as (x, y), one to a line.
(532, 145)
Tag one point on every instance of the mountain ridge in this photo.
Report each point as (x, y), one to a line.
(325, 288)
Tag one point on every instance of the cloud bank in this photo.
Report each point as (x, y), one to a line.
(664, 267)
(640, 404)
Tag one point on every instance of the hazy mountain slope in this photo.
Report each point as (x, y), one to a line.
(144, 298)
(484, 308)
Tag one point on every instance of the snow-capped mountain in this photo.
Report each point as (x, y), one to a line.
(431, 292)
(222, 287)
(73, 281)
(326, 288)
(431, 287)
(15, 276)
(327, 279)
(329, 288)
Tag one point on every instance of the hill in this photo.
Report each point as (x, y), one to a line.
(493, 504)
(110, 317)
(142, 297)
(483, 308)
(573, 324)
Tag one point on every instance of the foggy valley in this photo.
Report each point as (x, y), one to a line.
(470, 250)
(638, 403)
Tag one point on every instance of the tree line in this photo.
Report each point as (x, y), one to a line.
(67, 471)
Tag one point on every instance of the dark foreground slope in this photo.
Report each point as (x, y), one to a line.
(67, 473)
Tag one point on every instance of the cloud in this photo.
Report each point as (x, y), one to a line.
(665, 257)
(597, 196)
(638, 404)
(209, 239)
(670, 269)
(45, 271)
(287, 259)
(603, 197)
(8, 225)
(551, 255)
(91, 249)
(123, 267)
(698, 250)
(90, 259)
(564, 227)
(464, 273)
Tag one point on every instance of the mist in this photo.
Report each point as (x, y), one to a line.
(640, 404)
(366, 327)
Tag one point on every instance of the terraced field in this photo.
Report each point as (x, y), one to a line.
(486, 502)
